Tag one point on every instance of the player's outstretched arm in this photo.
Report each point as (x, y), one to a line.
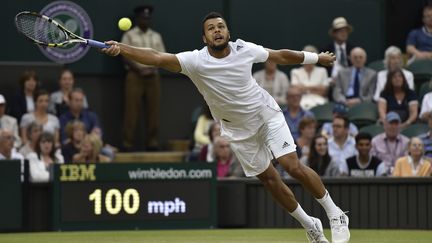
(145, 56)
(289, 57)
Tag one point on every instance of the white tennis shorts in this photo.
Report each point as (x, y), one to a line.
(272, 140)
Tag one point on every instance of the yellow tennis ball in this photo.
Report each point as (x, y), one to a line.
(124, 24)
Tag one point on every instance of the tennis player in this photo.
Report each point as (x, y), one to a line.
(250, 118)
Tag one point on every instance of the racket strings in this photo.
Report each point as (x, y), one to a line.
(40, 29)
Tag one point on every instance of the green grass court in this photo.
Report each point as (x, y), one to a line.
(212, 236)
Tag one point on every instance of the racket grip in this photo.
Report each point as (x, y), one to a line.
(97, 44)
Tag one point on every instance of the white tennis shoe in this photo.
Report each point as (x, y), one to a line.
(316, 234)
(339, 228)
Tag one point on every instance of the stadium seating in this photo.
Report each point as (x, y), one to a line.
(363, 114)
(323, 113)
(424, 89)
(373, 130)
(422, 70)
(377, 65)
(415, 130)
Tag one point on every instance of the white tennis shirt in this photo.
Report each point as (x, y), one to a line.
(227, 85)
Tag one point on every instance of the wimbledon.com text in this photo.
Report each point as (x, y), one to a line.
(170, 173)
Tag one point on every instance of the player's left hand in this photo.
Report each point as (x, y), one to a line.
(326, 58)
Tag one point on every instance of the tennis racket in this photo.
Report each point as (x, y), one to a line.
(43, 30)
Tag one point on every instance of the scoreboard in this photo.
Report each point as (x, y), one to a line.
(134, 196)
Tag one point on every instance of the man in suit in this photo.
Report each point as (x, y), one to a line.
(339, 32)
(357, 83)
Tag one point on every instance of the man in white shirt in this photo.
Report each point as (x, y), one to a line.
(250, 118)
(274, 81)
(341, 146)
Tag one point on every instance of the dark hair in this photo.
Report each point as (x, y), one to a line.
(27, 75)
(211, 129)
(65, 70)
(344, 118)
(31, 127)
(46, 136)
(427, 7)
(39, 93)
(211, 15)
(317, 162)
(140, 9)
(388, 88)
(76, 90)
(306, 121)
(363, 136)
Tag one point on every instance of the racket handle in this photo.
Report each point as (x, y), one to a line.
(97, 44)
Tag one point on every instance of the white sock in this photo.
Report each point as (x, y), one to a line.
(328, 205)
(301, 216)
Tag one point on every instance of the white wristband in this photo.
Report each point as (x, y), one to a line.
(309, 57)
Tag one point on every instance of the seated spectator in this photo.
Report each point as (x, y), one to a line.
(307, 128)
(78, 112)
(355, 84)
(390, 145)
(293, 112)
(419, 41)
(313, 82)
(338, 110)
(427, 138)
(392, 61)
(341, 47)
(207, 151)
(23, 101)
(426, 107)
(9, 122)
(50, 123)
(398, 97)
(76, 131)
(107, 149)
(34, 130)
(274, 81)
(319, 158)
(415, 164)
(201, 132)
(41, 161)
(90, 151)
(7, 151)
(341, 146)
(59, 100)
(223, 156)
(364, 164)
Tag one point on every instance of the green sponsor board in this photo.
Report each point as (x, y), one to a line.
(11, 207)
(134, 196)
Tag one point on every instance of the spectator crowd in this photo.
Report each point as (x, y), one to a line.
(59, 127)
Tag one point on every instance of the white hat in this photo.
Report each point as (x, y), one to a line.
(339, 23)
(2, 99)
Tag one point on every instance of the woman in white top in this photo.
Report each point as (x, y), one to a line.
(43, 158)
(59, 100)
(33, 131)
(274, 81)
(312, 80)
(50, 123)
(392, 61)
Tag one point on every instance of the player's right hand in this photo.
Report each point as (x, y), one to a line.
(113, 50)
(326, 58)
